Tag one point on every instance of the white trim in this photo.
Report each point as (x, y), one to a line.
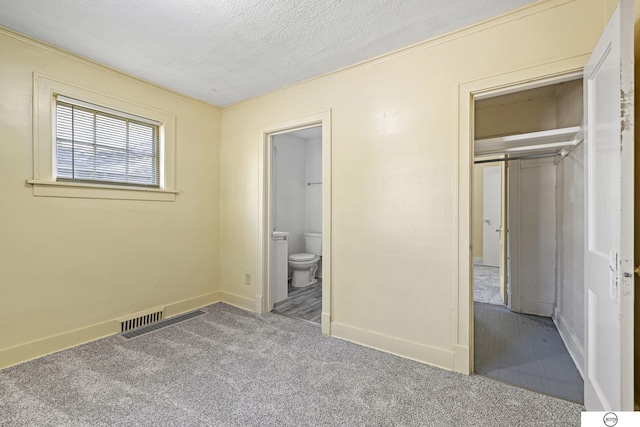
(528, 84)
(325, 321)
(522, 79)
(45, 91)
(265, 220)
(408, 349)
(538, 308)
(477, 261)
(259, 301)
(41, 347)
(238, 301)
(461, 358)
(106, 186)
(99, 191)
(514, 300)
(570, 340)
(103, 109)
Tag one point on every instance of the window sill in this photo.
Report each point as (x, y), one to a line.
(99, 191)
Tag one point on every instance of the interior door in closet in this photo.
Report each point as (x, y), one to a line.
(609, 263)
(491, 221)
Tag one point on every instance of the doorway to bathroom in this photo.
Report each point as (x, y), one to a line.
(296, 204)
(296, 220)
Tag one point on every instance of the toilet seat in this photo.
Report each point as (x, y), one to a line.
(301, 257)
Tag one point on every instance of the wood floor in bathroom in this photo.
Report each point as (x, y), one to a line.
(302, 303)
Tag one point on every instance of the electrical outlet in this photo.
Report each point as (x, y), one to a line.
(247, 279)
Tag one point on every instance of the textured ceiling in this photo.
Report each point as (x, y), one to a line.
(225, 51)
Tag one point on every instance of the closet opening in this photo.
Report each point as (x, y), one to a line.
(528, 238)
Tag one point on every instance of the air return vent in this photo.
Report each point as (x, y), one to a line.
(163, 324)
(138, 322)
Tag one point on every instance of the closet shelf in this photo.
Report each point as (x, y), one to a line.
(548, 141)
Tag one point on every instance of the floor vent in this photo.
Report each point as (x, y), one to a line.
(162, 324)
(140, 321)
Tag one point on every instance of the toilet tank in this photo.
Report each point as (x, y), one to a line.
(313, 243)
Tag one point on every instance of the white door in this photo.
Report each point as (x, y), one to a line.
(491, 199)
(532, 235)
(609, 217)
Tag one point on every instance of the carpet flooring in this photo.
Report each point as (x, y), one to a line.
(230, 367)
(486, 285)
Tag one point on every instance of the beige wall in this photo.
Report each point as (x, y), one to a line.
(395, 178)
(69, 267)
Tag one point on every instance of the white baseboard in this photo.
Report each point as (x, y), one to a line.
(325, 322)
(191, 304)
(258, 306)
(52, 344)
(462, 359)
(239, 301)
(537, 308)
(410, 350)
(477, 261)
(570, 341)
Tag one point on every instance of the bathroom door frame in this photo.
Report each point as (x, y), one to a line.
(265, 215)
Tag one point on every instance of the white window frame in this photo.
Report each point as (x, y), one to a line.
(45, 91)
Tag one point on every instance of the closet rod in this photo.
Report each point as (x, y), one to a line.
(503, 159)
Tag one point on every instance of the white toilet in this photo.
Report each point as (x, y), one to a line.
(305, 265)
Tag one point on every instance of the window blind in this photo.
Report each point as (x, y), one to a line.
(96, 144)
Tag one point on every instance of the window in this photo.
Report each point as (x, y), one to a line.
(95, 144)
(88, 144)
